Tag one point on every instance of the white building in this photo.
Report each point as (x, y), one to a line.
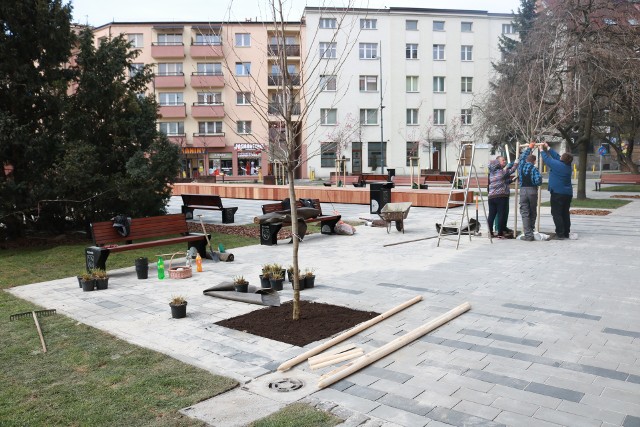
(424, 66)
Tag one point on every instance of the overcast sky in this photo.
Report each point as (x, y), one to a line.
(97, 12)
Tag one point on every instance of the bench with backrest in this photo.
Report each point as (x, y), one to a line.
(211, 202)
(618, 178)
(269, 232)
(144, 233)
(406, 180)
(438, 178)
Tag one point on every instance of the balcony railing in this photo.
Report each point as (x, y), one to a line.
(206, 50)
(167, 50)
(173, 111)
(289, 50)
(200, 80)
(277, 109)
(166, 81)
(279, 80)
(207, 110)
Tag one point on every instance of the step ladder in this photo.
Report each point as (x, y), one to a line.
(453, 222)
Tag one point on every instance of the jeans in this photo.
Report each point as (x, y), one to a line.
(498, 206)
(560, 205)
(529, 209)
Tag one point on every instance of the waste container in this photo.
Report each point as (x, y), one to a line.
(391, 172)
(379, 195)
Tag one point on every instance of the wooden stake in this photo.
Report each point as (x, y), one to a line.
(304, 356)
(35, 319)
(392, 346)
(338, 358)
(331, 354)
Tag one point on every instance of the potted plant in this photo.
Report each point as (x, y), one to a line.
(309, 278)
(142, 267)
(276, 279)
(277, 268)
(87, 282)
(101, 278)
(240, 284)
(178, 307)
(264, 277)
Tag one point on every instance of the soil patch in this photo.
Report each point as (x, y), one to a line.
(594, 212)
(624, 196)
(237, 230)
(317, 321)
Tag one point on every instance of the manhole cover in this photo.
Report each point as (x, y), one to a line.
(286, 384)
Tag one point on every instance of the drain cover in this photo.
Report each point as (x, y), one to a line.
(286, 384)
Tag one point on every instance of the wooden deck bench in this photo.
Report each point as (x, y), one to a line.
(211, 202)
(620, 179)
(439, 178)
(148, 232)
(269, 232)
(406, 180)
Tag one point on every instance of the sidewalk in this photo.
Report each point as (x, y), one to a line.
(552, 337)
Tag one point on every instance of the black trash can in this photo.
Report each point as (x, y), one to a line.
(379, 195)
(391, 173)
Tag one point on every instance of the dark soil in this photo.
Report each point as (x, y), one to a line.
(594, 212)
(317, 321)
(238, 230)
(624, 196)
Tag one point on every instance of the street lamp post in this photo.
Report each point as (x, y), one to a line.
(382, 148)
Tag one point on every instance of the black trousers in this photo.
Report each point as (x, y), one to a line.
(498, 206)
(560, 205)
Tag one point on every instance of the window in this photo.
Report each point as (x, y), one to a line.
(243, 39)
(208, 39)
(328, 50)
(467, 84)
(328, 116)
(172, 128)
(411, 25)
(508, 29)
(209, 98)
(209, 68)
(412, 116)
(368, 50)
(171, 98)
(465, 116)
(412, 151)
(375, 154)
(170, 69)
(438, 25)
(411, 51)
(328, 23)
(438, 117)
(243, 98)
(135, 68)
(243, 126)
(169, 39)
(368, 24)
(328, 154)
(466, 27)
(438, 52)
(329, 83)
(466, 53)
(136, 40)
(243, 68)
(368, 83)
(209, 128)
(438, 84)
(369, 116)
(412, 84)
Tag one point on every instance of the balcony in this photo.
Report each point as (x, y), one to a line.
(209, 140)
(275, 109)
(207, 110)
(278, 79)
(173, 111)
(169, 81)
(206, 50)
(290, 50)
(200, 80)
(167, 50)
(180, 139)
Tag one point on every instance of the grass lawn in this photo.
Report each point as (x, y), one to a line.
(595, 203)
(629, 188)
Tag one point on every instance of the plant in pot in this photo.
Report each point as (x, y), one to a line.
(276, 280)
(240, 284)
(178, 307)
(309, 278)
(264, 277)
(277, 268)
(101, 278)
(87, 282)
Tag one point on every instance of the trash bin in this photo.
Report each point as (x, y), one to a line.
(379, 195)
(391, 172)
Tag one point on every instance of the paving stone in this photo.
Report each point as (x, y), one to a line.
(387, 374)
(405, 404)
(565, 418)
(625, 396)
(630, 421)
(525, 396)
(560, 393)
(592, 413)
(513, 419)
(457, 418)
(626, 333)
(478, 410)
(517, 406)
(398, 415)
(497, 379)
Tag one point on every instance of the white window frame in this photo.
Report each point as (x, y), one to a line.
(210, 128)
(411, 51)
(328, 50)
(170, 69)
(365, 83)
(439, 117)
(438, 25)
(368, 24)
(135, 68)
(466, 52)
(242, 39)
(466, 27)
(412, 84)
(209, 68)
(243, 98)
(413, 115)
(136, 40)
(466, 116)
(438, 52)
(208, 39)
(169, 39)
(439, 84)
(466, 84)
(328, 23)
(209, 98)
(329, 83)
(328, 116)
(243, 69)
(172, 128)
(508, 29)
(368, 51)
(328, 154)
(369, 116)
(170, 98)
(411, 25)
(243, 127)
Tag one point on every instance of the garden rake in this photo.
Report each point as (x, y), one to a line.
(214, 256)
(35, 315)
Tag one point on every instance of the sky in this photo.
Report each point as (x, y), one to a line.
(97, 12)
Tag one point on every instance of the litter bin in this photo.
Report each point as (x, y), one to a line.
(391, 173)
(379, 195)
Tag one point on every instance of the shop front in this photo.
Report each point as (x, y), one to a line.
(193, 162)
(220, 163)
(248, 159)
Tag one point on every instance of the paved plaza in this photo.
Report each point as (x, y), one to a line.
(552, 337)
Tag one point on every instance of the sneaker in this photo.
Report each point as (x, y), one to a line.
(527, 238)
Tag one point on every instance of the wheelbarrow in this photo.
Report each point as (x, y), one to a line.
(395, 212)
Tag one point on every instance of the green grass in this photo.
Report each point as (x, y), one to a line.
(629, 188)
(595, 203)
(297, 415)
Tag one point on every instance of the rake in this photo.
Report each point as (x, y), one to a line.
(35, 315)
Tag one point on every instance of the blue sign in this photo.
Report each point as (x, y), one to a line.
(602, 150)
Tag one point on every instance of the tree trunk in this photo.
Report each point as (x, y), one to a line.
(296, 242)
(582, 171)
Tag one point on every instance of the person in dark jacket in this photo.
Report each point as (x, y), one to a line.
(499, 179)
(560, 189)
(529, 179)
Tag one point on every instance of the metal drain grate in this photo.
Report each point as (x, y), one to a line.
(285, 385)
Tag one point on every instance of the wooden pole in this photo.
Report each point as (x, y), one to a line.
(338, 358)
(35, 319)
(312, 352)
(392, 346)
(331, 354)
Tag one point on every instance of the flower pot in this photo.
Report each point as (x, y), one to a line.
(241, 288)
(264, 282)
(276, 284)
(178, 311)
(302, 284)
(290, 275)
(309, 282)
(142, 268)
(88, 285)
(80, 281)
(102, 284)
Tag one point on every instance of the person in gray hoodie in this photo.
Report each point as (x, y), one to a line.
(560, 189)
(499, 180)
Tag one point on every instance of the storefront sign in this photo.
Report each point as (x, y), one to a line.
(220, 155)
(248, 147)
(192, 150)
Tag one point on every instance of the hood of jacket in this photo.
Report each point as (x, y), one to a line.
(494, 165)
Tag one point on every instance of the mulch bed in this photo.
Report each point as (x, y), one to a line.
(624, 196)
(594, 212)
(237, 230)
(317, 321)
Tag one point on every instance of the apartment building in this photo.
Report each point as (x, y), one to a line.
(398, 84)
(209, 77)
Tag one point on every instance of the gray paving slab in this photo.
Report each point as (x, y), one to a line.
(554, 319)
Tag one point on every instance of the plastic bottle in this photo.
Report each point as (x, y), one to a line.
(198, 263)
(160, 268)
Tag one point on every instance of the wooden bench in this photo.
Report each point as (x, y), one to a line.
(269, 232)
(211, 202)
(620, 179)
(150, 232)
(406, 180)
(439, 178)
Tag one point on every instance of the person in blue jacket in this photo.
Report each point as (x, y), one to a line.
(560, 189)
(530, 180)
